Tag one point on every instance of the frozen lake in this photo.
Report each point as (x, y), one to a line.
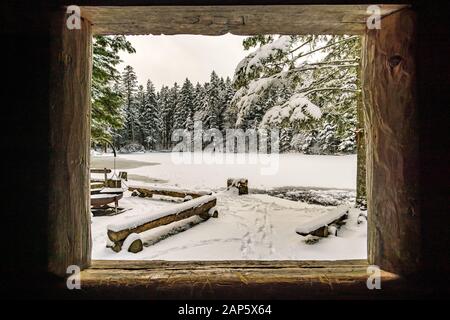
(297, 170)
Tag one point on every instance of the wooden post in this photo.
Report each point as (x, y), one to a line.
(361, 196)
(391, 124)
(241, 184)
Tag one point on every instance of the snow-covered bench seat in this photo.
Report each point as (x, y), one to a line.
(149, 191)
(318, 226)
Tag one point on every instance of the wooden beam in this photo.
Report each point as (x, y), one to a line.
(391, 125)
(236, 279)
(238, 19)
(105, 170)
(69, 240)
(238, 264)
(148, 191)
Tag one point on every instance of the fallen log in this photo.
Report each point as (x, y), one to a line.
(153, 236)
(213, 212)
(104, 170)
(319, 225)
(133, 243)
(149, 191)
(199, 206)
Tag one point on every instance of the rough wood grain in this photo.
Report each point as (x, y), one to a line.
(234, 279)
(270, 264)
(69, 240)
(391, 113)
(104, 170)
(201, 210)
(136, 246)
(240, 20)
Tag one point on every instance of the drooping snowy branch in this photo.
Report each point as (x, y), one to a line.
(297, 108)
(270, 50)
(305, 85)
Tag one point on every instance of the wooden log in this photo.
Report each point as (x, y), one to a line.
(213, 212)
(241, 184)
(136, 246)
(133, 243)
(97, 185)
(104, 170)
(178, 212)
(171, 192)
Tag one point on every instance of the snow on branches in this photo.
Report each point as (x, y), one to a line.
(281, 45)
(297, 108)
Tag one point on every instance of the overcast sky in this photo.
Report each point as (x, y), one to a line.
(168, 59)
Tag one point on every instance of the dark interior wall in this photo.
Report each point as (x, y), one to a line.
(24, 131)
(433, 73)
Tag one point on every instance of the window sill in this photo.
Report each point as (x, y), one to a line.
(344, 279)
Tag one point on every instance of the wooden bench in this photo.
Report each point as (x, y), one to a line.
(201, 206)
(318, 226)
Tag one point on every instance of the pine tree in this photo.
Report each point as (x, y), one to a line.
(129, 85)
(168, 102)
(184, 111)
(213, 103)
(150, 118)
(286, 135)
(106, 98)
(229, 114)
(199, 96)
(140, 108)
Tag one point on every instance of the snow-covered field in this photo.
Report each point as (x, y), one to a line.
(253, 227)
(293, 170)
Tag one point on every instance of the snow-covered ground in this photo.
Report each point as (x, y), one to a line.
(253, 227)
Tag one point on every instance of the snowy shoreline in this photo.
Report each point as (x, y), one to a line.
(295, 170)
